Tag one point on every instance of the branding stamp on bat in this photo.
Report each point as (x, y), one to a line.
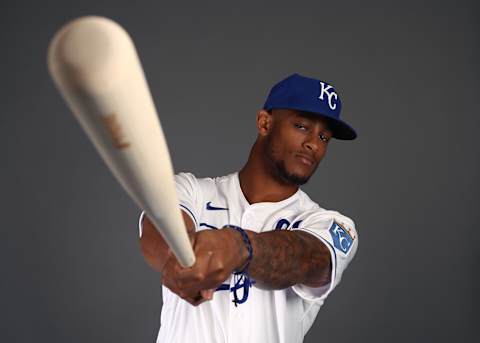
(115, 131)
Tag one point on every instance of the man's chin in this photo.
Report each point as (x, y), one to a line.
(294, 178)
(298, 180)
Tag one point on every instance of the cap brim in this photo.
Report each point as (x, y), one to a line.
(339, 128)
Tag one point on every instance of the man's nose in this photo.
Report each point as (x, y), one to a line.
(312, 142)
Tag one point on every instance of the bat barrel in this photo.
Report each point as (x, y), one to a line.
(95, 66)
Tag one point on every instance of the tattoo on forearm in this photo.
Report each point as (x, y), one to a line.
(285, 258)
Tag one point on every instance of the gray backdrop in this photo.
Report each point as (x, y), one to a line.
(408, 72)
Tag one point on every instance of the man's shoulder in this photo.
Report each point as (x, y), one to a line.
(305, 203)
(311, 209)
(204, 182)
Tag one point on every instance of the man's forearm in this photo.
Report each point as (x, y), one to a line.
(285, 258)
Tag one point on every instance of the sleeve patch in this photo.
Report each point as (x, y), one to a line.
(342, 237)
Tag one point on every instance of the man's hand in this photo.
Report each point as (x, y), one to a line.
(218, 253)
(154, 248)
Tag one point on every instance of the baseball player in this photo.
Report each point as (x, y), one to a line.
(267, 256)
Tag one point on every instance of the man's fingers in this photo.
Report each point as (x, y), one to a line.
(203, 296)
(195, 284)
(195, 275)
(207, 293)
(168, 275)
(187, 283)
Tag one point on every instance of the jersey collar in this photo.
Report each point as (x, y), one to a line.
(285, 202)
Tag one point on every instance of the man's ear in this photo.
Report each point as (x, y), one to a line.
(264, 122)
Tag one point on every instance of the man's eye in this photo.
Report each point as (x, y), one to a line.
(324, 138)
(300, 126)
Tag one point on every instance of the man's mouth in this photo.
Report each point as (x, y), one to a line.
(305, 159)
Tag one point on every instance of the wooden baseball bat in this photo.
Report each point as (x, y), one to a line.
(95, 66)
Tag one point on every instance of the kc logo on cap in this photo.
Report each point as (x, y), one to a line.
(326, 89)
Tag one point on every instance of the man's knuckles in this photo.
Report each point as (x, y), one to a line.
(199, 276)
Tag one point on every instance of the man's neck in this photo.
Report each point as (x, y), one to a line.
(259, 186)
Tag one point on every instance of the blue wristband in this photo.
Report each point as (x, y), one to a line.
(241, 278)
(248, 245)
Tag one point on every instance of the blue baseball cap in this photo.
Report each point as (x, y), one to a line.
(305, 94)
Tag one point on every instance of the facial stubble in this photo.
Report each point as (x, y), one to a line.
(279, 167)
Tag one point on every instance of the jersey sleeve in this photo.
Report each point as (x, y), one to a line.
(338, 234)
(189, 195)
(188, 192)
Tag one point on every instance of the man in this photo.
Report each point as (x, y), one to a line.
(267, 256)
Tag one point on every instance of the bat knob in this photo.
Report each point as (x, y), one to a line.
(94, 52)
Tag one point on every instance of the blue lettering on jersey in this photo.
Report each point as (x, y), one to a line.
(341, 238)
(296, 224)
(283, 224)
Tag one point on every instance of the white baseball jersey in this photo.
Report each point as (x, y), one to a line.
(277, 316)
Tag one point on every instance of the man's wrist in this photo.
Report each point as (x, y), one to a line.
(242, 254)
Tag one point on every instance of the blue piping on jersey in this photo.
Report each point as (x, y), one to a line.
(209, 226)
(191, 213)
